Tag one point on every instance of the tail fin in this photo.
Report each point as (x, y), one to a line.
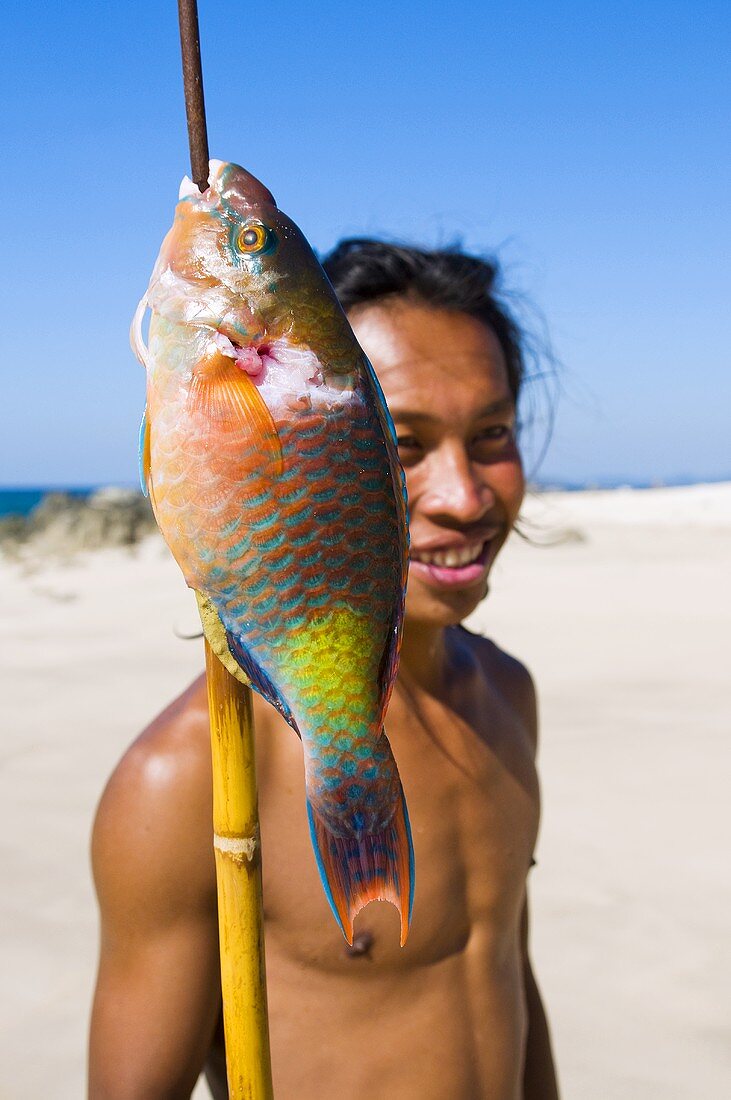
(372, 867)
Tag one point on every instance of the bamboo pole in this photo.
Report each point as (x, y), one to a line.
(238, 877)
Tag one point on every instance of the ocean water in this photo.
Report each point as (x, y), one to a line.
(19, 502)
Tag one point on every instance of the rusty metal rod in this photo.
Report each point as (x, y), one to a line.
(195, 108)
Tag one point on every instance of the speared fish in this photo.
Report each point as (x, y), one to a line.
(270, 460)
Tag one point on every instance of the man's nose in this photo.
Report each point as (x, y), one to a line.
(456, 488)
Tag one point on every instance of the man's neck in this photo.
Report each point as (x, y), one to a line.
(423, 655)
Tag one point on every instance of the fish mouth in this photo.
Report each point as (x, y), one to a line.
(271, 359)
(254, 358)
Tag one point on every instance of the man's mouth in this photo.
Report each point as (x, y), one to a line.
(452, 557)
(453, 566)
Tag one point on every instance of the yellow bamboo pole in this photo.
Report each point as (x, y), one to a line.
(238, 879)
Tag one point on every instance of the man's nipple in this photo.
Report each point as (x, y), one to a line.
(361, 946)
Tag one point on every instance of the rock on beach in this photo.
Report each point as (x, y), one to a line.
(62, 524)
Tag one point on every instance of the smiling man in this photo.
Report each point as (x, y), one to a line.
(456, 1014)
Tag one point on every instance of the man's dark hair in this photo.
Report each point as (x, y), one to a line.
(363, 270)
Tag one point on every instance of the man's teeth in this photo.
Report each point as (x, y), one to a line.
(452, 559)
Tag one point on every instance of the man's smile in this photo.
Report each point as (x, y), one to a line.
(454, 564)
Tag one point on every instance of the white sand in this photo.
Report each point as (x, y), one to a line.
(627, 635)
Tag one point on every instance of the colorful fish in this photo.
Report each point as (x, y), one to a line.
(270, 460)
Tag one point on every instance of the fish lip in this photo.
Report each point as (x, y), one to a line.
(269, 347)
(261, 342)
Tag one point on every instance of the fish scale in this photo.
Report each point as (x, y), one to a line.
(273, 474)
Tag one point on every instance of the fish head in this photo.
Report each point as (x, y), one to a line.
(236, 267)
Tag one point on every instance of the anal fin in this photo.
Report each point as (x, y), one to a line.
(258, 678)
(234, 657)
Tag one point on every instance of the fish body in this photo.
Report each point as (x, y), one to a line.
(269, 456)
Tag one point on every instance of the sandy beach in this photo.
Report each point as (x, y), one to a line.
(619, 604)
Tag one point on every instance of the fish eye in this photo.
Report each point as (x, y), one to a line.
(252, 238)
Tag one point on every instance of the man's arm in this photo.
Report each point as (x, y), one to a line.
(539, 1075)
(158, 995)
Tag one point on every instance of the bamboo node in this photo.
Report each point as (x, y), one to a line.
(237, 846)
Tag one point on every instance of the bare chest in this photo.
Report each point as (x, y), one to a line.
(472, 794)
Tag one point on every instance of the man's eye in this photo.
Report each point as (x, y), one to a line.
(492, 442)
(410, 450)
(495, 432)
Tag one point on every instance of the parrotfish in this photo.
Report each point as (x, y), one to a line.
(270, 460)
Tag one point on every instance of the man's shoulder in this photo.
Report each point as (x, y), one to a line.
(497, 663)
(155, 812)
(171, 751)
(505, 674)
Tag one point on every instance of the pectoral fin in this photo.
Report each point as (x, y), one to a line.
(227, 397)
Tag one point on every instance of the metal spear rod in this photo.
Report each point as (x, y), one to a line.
(195, 107)
(235, 808)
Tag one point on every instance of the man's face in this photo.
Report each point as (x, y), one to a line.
(446, 385)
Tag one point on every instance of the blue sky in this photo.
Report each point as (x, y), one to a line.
(587, 144)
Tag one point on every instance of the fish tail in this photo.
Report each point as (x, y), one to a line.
(370, 867)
